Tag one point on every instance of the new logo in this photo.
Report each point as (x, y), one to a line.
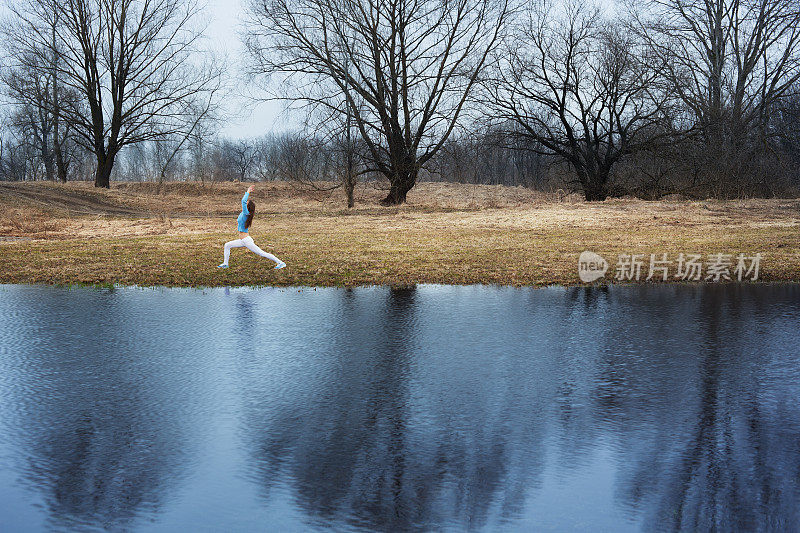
(591, 267)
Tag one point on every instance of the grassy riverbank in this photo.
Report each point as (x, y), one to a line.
(139, 234)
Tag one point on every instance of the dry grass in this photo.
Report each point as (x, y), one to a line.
(137, 234)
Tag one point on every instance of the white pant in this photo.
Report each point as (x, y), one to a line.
(248, 243)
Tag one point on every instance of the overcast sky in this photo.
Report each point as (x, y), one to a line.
(246, 118)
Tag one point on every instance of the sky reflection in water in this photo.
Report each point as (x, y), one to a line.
(435, 408)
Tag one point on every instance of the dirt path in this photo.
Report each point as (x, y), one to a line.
(73, 200)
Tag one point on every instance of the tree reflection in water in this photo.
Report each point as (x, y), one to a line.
(713, 445)
(432, 408)
(101, 413)
(416, 417)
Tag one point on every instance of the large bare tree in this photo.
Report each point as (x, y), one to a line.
(401, 69)
(730, 61)
(578, 88)
(132, 62)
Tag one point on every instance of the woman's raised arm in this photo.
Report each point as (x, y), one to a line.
(244, 199)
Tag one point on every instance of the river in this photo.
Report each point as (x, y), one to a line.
(435, 408)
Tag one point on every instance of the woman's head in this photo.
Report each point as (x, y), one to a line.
(251, 209)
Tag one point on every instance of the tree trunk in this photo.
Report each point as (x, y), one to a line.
(400, 185)
(47, 157)
(595, 195)
(61, 165)
(102, 176)
(48, 166)
(350, 182)
(350, 178)
(351, 202)
(595, 189)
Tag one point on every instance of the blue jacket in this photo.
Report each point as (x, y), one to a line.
(244, 214)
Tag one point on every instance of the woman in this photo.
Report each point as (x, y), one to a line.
(245, 219)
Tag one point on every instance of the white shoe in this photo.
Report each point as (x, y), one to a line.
(280, 265)
(223, 265)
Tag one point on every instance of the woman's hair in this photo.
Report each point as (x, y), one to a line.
(251, 208)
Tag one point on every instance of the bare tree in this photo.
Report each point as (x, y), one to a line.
(36, 129)
(243, 155)
(265, 168)
(203, 116)
(300, 158)
(19, 158)
(401, 69)
(129, 60)
(342, 159)
(457, 161)
(578, 88)
(729, 61)
(31, 82)
(786, 122)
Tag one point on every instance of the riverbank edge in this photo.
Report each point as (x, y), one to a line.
(595, 285)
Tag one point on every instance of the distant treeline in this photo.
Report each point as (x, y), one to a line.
(698, 98)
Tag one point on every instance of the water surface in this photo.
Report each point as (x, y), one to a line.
(671, 407)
